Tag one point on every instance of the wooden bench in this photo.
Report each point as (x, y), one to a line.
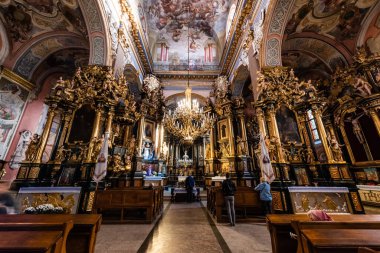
(64, 227)
(279, 226)
(299, 226)
(81, 238)
(339, 240)
(132, 198)
(367, 250)
(27, 242)
(246, 199)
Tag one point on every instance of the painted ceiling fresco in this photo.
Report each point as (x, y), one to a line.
(166, 23)
(323, 33)
(44, 21)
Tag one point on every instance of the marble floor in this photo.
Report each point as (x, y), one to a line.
(185, 227)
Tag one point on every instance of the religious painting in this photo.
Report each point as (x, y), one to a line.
(13, 99)
(328, 199)
(67, 176)
(301, 176)
(148, 130)
(35, 200)
(83, 123)
(223, 129)
(372, 174)
(287, 125)
(360, 176)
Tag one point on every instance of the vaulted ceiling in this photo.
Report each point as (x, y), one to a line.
(175, 27)
(321, 35)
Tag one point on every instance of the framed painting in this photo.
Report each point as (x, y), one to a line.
(14, 93)
(223, 129)
(287, 125)
(67, 176)
(65, 198)
(149, 130)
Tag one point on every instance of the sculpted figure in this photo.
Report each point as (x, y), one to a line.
(362, 86)
(31, 152)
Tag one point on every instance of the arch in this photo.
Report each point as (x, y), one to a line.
(98, 35)
(239, 80)
(4, 43)
(32, 54)
(133, 78)
(274, 26)
(373, 13)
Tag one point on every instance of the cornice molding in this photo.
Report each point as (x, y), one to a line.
(235, 34)
(139, 41)
(10, 75)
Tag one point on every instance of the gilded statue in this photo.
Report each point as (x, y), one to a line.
(208, 151)
(132, 145)
(335, 147)
(224, 149)
(117, 163)
(305, 203)
(241, 147)
(31, 152)
(128, 163)
(98, 142)
(60, 154)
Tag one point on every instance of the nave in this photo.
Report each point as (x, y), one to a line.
(185, 227)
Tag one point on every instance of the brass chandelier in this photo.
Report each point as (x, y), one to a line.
(188, 121)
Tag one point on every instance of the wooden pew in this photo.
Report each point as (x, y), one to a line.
(279, 226)
(81, 238)
(245, 199)
(131, 198)
(339, 240)
(367, 250)
(64, 227)
(299, 226)
(27, 242)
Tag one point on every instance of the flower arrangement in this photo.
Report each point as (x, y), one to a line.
(44, 209)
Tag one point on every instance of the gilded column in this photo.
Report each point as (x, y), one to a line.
(231, 138)
(95, 132)
(322, 132)
(141, 135)
(375, 118)
(273, 132)
(45, 134)
(212, 150)
(303, 127)
(243, 132)
(158, 140)
(66, 122)
(127, 135)
(260, 121)
(111, 114)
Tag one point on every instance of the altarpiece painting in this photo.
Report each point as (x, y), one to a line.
(287, 125)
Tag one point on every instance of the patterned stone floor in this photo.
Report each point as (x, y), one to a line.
(185, 227)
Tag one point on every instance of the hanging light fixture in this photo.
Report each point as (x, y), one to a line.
(188, 121)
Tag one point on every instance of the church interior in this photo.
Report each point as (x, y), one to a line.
(115, 114)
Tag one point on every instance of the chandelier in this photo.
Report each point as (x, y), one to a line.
(188, 121)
